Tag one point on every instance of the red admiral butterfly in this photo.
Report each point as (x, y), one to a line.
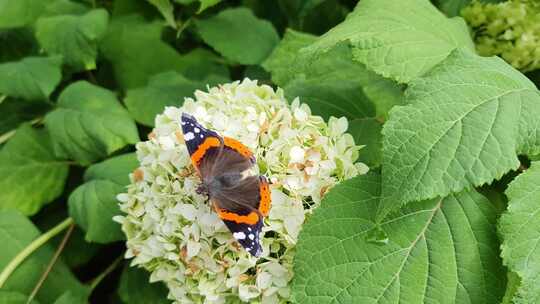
(240, 200)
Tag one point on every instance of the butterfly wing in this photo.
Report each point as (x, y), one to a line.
(242, 209)
(200, 141)
(241, 205)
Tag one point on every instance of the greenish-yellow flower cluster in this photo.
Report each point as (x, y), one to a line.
(172, 230)
(509, 29)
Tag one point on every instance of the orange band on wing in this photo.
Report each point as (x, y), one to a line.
(264, 204)
(209, 142)
(237, 146)
(251, 219)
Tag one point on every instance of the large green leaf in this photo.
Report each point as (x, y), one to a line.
(73, 37)
(32, 78)
(89, 123)
(467, 120)
(70, 297)
(397, 39)
(439, 251)
(115, 169)
(20, 12)
(31, 175)
(13, 297)
(135, 288)
(520, 229)
(165, 89)
(93, 204)
(238, 35)
(16, 232)
(136, 51)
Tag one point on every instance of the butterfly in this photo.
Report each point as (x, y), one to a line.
(241, 200)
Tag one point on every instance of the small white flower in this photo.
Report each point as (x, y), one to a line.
(297, 154)
(174, 232)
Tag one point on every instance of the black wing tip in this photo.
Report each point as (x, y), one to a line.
(188, 116)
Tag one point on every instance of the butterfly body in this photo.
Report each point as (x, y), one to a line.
(241, 198)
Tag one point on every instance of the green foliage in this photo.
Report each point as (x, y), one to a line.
(519, 227)
(89, 123)
(397, 39)
(33, 176)
(81, 82)
(32, 78)
(20, 13)
(12, 297)
(16, 232)
(93, 204)
(232, 30)
(165, 89)
(424, 257)
(73, 37)
(134, 288)
(439, 144)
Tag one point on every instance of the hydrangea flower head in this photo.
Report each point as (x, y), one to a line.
(508, 29)
(173, 231)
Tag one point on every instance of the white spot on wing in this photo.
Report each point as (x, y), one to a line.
(197, 130)
(189, 136)
(239, 235)
(251, 236)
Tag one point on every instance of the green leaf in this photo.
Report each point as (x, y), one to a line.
(16, 232)
(453, 7)
(115, 169)
(238, 35)
(32, 175)
(65, 7)
(520, 228)
(93, 204)
(20, 12)
(13, 112)
(397, 39)
(74, 37)
(89, 123)
(12, 297)
(466, 121)
(285, 56)
(32, 78)
(206, 4)
(367, 131)
(439, 251)
(136, 289)
(70, 297)
(335, 74)
(166, 9)
(165, 89)
(153, 56)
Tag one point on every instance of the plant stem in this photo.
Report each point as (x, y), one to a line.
(51, 263)
(105, 273)
(4, 137)
(30, 248)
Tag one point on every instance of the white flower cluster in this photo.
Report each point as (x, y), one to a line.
(174, 233)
